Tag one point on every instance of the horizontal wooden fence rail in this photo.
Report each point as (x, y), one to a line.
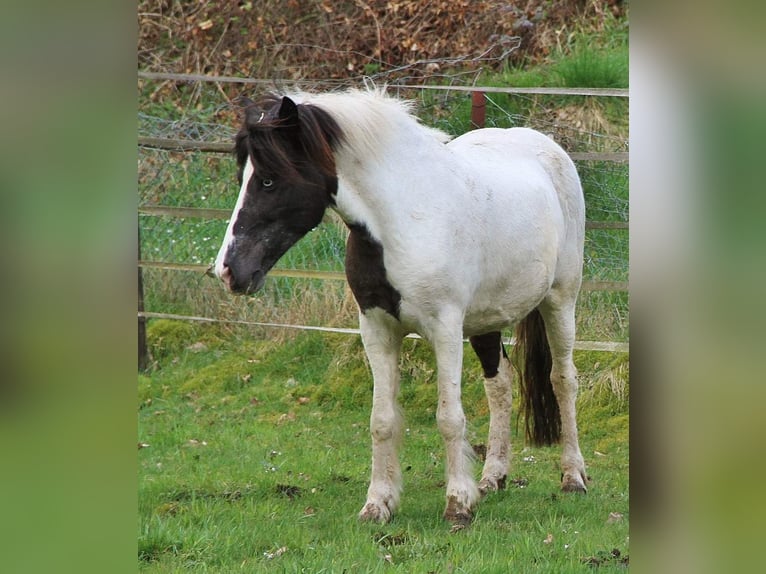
(337, 276)
(610, 346)
(186, 145)
(206, 213)
(223, 147)
(172, 211)
(598, 92)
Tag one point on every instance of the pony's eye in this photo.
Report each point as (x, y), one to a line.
(267, 183)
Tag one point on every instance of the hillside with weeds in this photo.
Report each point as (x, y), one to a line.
(292, 40)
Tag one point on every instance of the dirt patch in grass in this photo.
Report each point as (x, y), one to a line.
(610, 558)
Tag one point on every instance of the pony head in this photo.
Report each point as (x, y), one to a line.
(287, 176)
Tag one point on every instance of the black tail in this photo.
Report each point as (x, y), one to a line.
(532, 359)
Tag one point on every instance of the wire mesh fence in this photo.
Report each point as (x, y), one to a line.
(175, 250)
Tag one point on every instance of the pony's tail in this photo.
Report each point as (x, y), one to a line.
(532, 359)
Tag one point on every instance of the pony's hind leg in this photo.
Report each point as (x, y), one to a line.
(497, 384)
(558, 314)
(382, 342)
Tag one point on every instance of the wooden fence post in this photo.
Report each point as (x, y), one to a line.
(478, 110)
(143, 349)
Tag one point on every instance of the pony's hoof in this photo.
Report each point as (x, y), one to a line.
(490, 484)
(457, 514)
(573, 483)
(373, 512)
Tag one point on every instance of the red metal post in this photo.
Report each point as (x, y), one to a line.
(478, 109)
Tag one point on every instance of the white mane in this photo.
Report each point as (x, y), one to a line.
(368, 118)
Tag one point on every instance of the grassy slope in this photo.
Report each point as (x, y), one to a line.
(256, 446)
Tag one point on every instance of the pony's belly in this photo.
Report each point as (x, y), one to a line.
(478, 319)
(483, 321)
(496, 309)
(499, 302)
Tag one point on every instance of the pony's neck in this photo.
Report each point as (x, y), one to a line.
(385, 158)
(375, 190)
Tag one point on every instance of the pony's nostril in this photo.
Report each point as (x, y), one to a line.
(226, 274)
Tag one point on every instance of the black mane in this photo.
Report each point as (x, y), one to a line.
(281, 143)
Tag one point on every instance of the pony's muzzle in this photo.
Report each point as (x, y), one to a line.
(226, 275)
(245, 285)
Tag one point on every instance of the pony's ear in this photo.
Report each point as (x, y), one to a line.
(243, 101)
(288, 112)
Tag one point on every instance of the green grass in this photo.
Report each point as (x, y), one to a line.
(258, 460)
(586, 67)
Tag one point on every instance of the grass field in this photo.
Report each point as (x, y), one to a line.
(256, 458)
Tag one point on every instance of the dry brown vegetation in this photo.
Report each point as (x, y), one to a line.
(320, 39)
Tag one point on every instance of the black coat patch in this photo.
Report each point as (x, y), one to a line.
(488, 348)
(366, 273)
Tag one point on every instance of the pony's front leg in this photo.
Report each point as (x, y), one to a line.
(462, 492)
(382, 339)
